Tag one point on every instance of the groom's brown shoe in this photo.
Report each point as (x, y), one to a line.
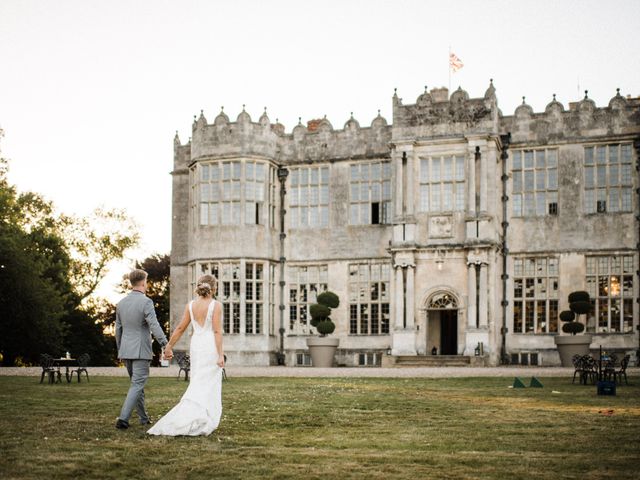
(122, 425)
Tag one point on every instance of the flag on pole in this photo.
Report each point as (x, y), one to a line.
(455, 63)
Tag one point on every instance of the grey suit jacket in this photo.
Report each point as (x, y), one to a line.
(135, 322)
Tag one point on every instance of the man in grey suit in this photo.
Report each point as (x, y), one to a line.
(135, 322)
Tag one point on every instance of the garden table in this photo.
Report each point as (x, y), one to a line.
(66, 362)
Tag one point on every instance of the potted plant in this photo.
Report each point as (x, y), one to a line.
(570, 345)
(323, 348)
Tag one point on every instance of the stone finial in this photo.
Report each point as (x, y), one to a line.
(299, 120)
(554, 106)
(176, 139)
(243, 116)
(586, 94)
(222, 118)
(425, 89)
(202, 121)
(491, 91)
(264, 118)
(379, 121)
(523, 109)
(618, 101)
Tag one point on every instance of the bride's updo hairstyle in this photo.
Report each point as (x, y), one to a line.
(206, 285)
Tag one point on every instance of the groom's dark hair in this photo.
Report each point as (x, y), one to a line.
(137, 276)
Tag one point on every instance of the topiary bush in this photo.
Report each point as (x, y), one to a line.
(321, 311)
(579, 304)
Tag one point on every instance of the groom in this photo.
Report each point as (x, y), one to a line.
(135, 322)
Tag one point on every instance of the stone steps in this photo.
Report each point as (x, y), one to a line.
(432, 361)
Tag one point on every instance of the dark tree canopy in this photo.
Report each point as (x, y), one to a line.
(50, 266)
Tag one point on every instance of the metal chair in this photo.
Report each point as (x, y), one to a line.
(622, 372)
(184, 362)
(83, 363)
(578, 369)
(609, 367)
(589, 369)
(47, 362)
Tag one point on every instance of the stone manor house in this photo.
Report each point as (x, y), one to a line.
(454, 230)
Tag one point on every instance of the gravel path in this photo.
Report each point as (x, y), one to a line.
(397, 372)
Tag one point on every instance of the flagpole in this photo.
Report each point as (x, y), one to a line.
(449, 63)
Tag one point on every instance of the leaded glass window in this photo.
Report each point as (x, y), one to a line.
(369, 298)
(608, 179)
(535, 183)
(610, 283)
(309, 197)
(305, 283)
(370, 193)
(535, 294)
(442, 187)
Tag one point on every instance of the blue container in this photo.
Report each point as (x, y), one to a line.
(606, 388)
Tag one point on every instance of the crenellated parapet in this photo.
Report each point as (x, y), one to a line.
(320, 142)
(316, 142)
(223, 138)
(436, 114)
(582, 119)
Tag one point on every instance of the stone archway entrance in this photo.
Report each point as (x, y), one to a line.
(442, 324)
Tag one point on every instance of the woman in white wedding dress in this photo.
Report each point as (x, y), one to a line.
(200, 408)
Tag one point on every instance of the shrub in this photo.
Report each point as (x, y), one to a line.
(325, 327)
(579, 304)
(321, 311)
(329, 299)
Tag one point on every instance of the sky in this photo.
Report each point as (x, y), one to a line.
(93, 92)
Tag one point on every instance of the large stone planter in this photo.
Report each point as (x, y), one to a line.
(322, 350)
(570, 345)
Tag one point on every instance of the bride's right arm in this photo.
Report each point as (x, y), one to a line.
(177, 333)
(217, 333)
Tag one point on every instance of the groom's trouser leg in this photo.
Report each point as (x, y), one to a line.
(139, 374)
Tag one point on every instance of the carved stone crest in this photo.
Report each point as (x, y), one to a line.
(441, 227)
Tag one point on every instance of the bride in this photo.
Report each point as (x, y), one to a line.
(200, 408)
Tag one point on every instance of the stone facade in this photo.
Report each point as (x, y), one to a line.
(454, 230)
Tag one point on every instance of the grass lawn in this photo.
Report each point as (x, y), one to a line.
(320, 428)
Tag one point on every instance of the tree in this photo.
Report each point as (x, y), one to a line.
(93, 243)
(34, 287)
(50, 266)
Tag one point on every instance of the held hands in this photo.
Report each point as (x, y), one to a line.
(220, 361)
(167, 353)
